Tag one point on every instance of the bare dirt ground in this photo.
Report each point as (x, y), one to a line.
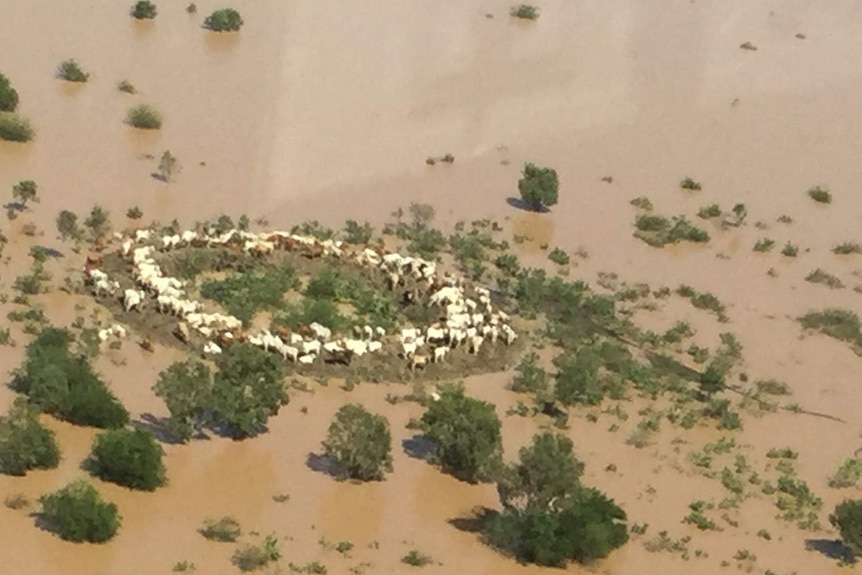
(323, 111)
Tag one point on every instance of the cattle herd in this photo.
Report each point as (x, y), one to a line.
(467, 318)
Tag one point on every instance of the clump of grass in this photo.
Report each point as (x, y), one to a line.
(764, 245)
(16, 501)
(642, 203)
(772, 387)
(690, 184)
(819, 276)
(790, 250)
(144, 117)
(710, 211)
(15, 128)
(71, 71)
(698, 518)
(748, 46)
(781, 453)
(192, 8)
(847, 475)
(559, 257)
(416, 559)
(144, 10)
(839, 323)
(703, 300)
(253, 557)
(525, 12)
(134, 213)
(847, 248)
(784, 219)
(820, 195)
(226, 529)
(126, 87)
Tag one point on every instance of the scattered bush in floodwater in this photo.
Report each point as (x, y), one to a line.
(819, 276)
(8, 95)
(128, 457)
(764, 245)
(658, 231)
(790, 250)
(710, 211)
(559, 257)
(126, 87)
(253, 557)
(841, 324)
(168, 166)
(65, 385)
(690, 184)
(25, 443)
(144, 10)
(847, 248)
(134, 213)
(67, 226)
(847, 518)
(466, 433)
(25, 191)
(642, 203)
(77, 513)
(354, 233)
(224, 20)
(525, 12)
(416, 559)
(15, 128)
(71, 71)
(361, 442)
(226, 529)
(539, 187)
(847, 475)
(820, 195)
(144, 117)
(98, 221)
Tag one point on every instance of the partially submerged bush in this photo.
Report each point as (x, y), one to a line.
(25, 443)
(127, 87)
(144, 10)
(841, 324)
(847, 518)
(539, 186)
(690, 184)
(8, 95)
(78, 513)
(224, 20)
(466, 434)
(67, 225)
(559, 257)
(246, 294)
(226, 529)
(847, 475)
(361, 443)
(71, 71)
(25, 191)
(710, 211)
(819, 276)
(65, 385)
(144, 117)
(525, 12)
(658, 231)
(820, 195)
(128, 457)
(15, 128)
(253, 557)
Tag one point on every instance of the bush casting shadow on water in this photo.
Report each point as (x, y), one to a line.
(831, 548)
(321, 463)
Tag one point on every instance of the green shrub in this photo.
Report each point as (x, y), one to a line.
(224, 20)
(144, 117)
(361, 443)
(71, 71)
(15, 128)
(658, 231)
(847, 518)
(8, 95)
(246, 294)
(25, 191)
(642, 203)
(25, 443)
(168, 165)
(559, 257)
(847, 248)
(539, 187)
(841, 324)
(65, 385)
(98, 221)
(77, 513)
(128, 457)
(144, 10)
(710, 211)
(253, 557)
(530, 378)
(67, 225)
(819, 276)
(764, 245)
(354, 233)
(126, 87)
(416, 559)
(790, 250)
(466, 433)
(820, 195)
(134, 213)
(690, 184)
(525, 12)
(847, 475)
(226, 529)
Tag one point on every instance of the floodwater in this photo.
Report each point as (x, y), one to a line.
(328, 110)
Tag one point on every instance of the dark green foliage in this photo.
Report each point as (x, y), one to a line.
(98, 221)
(8, 95)
(539, 187)
(847, 518)
(847, 248)
(467, 435)
(310, 310)
(64, 384)
(24, 442)
(530, 377)
(254, 557)
(820, 195)
(77, 513)
(128, 457)
(586, 531)
(67, 225)
(25, 191)
(71, 71)
(244, 393)
(578, 377)
(144, 10)
(246, 294)
(713, 379)
(416, 559)
(548, 474)
(690, 184)
(15, 128)
(186, 389)
(525, 12)
(227, 529)
(790, 250)
(658, 231)
(764, 245)
(354, 233)
(144, 117)
(224, 20)
(818, 276)
(838, 323)
(559, 257)
(710, 211)
(361, 443)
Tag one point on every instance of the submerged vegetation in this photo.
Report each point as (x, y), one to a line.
(144, 117)
(224, 20)
(658, 231)
(15, 128)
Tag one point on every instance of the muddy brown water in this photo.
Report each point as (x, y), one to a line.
(328, 111)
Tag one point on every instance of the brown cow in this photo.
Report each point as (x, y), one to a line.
(147, 344)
